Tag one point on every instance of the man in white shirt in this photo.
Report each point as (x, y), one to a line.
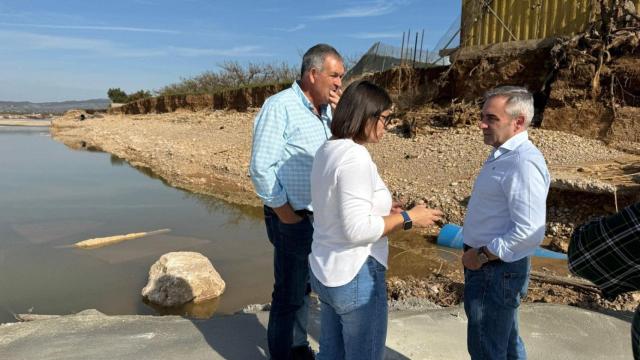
(505, 222)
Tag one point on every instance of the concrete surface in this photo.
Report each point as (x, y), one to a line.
(549, 331)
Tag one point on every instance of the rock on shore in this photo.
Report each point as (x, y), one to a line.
(179, 277)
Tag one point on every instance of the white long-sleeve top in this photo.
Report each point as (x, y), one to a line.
(349, 200)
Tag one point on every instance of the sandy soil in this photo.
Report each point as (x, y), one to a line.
(208, 152)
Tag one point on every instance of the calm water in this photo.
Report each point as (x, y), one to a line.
(52, 196)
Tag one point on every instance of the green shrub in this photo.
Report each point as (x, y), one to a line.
(116, 95)
(139, 95)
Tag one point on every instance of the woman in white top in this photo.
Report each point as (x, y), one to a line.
(352, 215)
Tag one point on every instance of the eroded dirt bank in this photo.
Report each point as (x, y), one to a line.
(208, 152)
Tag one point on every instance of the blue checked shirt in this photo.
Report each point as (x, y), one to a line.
(286, 135)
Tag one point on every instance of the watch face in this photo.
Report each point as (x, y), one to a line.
(407, 225)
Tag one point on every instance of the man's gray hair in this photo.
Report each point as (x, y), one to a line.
(314, 57)
(519, 101)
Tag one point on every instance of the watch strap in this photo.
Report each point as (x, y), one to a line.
(407, 224)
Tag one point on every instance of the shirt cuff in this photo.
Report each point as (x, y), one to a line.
(274, 202)
(497, 250)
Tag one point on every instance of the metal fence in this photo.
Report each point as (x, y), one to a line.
(412, 52)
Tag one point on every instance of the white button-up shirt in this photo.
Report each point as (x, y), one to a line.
(507, 209)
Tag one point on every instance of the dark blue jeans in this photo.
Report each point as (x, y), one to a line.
(492, 295)
(290, 298)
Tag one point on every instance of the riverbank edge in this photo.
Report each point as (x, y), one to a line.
(218, 184)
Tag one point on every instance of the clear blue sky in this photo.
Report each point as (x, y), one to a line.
(77, 49)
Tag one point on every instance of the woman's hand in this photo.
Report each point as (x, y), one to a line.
(397, 207)
(421, 216)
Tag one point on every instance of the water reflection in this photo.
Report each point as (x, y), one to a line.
(117, 161)
(203, 310)
(236, 212)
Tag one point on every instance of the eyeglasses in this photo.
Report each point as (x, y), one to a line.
(385, 119)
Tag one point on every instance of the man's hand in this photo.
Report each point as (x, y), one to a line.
(287, 215)
(470, 259)
(334, 97)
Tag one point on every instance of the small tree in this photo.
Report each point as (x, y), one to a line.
(117, 96)
(138, 95)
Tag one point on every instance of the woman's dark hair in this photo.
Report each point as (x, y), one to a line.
(358, 109)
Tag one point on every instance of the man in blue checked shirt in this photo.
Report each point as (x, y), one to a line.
(504, 224)
(287, 132)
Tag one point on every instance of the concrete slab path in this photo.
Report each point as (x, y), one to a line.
(549, 331)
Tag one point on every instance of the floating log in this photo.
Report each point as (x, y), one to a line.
(110, 240)
(33, 317)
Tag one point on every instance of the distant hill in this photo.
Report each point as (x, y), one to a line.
(26, 107)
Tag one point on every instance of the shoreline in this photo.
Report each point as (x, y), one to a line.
(176, 166)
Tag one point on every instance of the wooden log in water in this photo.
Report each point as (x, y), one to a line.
(33, 317)
(110, 240)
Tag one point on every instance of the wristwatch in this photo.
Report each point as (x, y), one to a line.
(482, 256)
(407, 221)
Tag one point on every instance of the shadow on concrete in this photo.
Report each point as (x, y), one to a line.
(240, 336)
(231, 337)
(243, 336)
(314, 331)
(624, 315)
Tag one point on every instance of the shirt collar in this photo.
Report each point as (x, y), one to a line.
(510, 144)
(325, 110)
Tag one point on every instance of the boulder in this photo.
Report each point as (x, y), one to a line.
(179, 277)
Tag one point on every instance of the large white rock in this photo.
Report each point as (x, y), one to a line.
(179, 277)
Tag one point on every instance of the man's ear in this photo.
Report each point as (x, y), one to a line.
(313, 75)
(520, 122)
